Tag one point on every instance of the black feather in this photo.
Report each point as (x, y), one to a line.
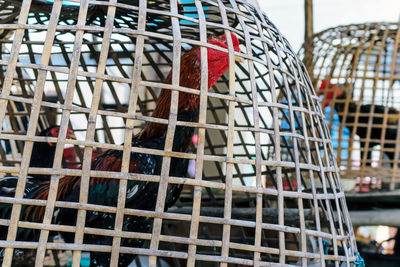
(140, 194)
(362, 122)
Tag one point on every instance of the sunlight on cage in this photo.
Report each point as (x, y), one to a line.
(356, 69)
(264, 189)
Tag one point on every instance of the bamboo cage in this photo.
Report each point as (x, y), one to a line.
(356, 68)
(266, 189)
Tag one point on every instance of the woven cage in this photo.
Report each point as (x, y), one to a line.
(266, 188)
(356, 68)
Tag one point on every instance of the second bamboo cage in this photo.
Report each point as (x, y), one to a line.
(356, 68)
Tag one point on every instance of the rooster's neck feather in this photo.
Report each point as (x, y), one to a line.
(190, 78)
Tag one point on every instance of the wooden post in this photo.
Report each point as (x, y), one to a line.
(308, 32)
(308, 16)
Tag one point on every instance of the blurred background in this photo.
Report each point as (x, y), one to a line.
(288, 15)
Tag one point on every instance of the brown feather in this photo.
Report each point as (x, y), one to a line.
(190, 78)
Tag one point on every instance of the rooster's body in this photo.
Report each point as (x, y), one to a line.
(140, 195)
(349, 120)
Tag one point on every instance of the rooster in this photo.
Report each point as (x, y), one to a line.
(363, 119)
(140, 194)
(43, 152)
(42, 157)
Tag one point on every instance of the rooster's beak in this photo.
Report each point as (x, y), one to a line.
(239, 59)
(71, 136)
